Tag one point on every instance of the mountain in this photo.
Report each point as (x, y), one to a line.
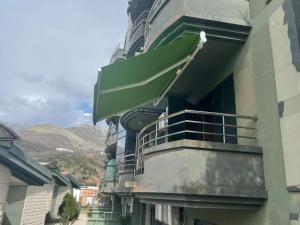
(75, 150)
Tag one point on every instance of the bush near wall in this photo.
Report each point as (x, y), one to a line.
(68, 210)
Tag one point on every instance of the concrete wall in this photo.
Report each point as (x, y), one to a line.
(256, 92)
(15, 205)
(285, 48)
(216, 169)
(4, 186)
(286, 56)
(37, 203)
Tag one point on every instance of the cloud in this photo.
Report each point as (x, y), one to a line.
(50, 52)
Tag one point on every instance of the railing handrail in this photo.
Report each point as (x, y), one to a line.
(116, 135)
(195, 112)
(195, 125)
(126, 162)
(140, 18)
(120, 46)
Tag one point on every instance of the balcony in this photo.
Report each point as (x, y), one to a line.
(126, 166)
(109, 177)
(103, 216)
(203, 159)
(119, 54)
(136, 36)
(220, 19)
(111, 141)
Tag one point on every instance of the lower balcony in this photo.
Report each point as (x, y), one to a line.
(103, 216)
(200, 159)
(126, 166)
(109, 177)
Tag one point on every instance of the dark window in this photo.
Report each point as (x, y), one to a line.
(296, 7)
(220, 100)
(201, 222)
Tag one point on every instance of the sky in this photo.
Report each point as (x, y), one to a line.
(50, 52)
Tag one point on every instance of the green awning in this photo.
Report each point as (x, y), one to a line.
(141, 79)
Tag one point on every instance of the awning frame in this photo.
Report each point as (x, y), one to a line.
(190, 58)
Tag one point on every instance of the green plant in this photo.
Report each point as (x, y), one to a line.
(68, 210)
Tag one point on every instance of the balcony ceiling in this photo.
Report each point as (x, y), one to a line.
(138, 118)
(206, 71)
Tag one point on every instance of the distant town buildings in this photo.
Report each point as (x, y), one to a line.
(88, 195)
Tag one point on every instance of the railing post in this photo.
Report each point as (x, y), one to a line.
(203, 125)
(223, 123)
(156, 127)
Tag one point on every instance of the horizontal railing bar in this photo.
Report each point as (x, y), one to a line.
(197, 113)
(198, 132)
(201, 123)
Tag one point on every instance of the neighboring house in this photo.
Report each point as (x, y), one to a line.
(18, 173)
(88, 195)
(30, 194)
(203, 114)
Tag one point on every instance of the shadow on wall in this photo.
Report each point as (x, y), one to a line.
(225, 171)
(6, 220)
(292, 20)
(234, 172)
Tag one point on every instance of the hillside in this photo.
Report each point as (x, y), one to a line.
(76, 150)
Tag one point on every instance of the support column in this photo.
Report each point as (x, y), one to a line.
(4, 186)
(147, 216)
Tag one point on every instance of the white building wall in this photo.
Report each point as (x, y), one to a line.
(37, 204)
(76, 194)
(4, 185)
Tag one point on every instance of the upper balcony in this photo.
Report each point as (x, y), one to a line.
(111, 140)
(220, 19)
(136, 39)
(205, 159)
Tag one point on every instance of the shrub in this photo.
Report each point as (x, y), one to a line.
(68, 210)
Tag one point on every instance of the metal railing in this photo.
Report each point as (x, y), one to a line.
(138, 22)
(119, 53)
(112, 135)
(196, 125)
(126, 163)
(104, 217)
(141, 18)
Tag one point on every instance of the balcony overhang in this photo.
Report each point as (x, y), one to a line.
(136, 119)
(215, 30)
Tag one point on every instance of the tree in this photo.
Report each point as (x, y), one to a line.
(68, 210)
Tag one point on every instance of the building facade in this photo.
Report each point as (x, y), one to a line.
(203, 130)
